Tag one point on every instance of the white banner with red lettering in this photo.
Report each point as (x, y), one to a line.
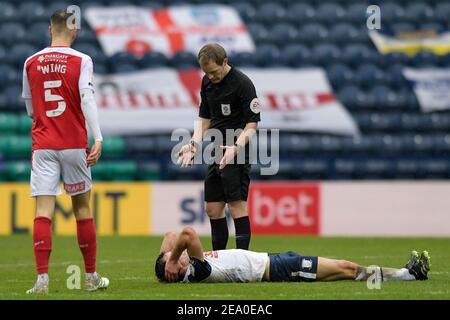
(160, 100)
(168, 30)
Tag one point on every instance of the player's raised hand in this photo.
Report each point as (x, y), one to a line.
(186, 155)
(230, 153)
(94, 156)
(172, 269)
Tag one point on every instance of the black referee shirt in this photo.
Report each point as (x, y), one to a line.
(231, 103)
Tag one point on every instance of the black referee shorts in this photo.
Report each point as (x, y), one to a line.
(229, 184)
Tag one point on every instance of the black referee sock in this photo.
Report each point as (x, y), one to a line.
(219, 233)
(243, 232)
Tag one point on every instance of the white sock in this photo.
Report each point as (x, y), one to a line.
(42, 278)
(400, 274)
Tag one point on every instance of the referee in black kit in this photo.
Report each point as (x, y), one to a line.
(228, 101)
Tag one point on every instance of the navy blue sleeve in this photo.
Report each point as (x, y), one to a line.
(200, 270)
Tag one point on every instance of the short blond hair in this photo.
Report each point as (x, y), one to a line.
(58, 21)
(212, 52)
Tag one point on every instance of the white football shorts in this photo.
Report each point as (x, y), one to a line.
(47, 166)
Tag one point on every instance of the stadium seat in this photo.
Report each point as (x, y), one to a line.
(113, 146)
(38, 35)
(287, 170)
(3, 104)
(435, 169)
(124, 67)
(394, 58)
(407, 169)
(195, 172)
(32, 12)
(258, 32)
(392, 12)
(352, 97)
(300, 13)
(419, 11)
(13, 98)
(101, 68)
(149, 170)
(8, 13)
(297, 55)
(93, 51)
(330, 12)
(19, 53)
(339, 75)
(86, 35)
(184, 61)
(356, 54)
(357, 13)
(246, 11)
(18, 171)
(329, 145)
(124, 170)
(270, 12)
(268, 56)
(425, 59)
(313, 33)
(24, 124)
(58, 5)
(358, 146)
(401, 27)
(441, 144)
(243, 59)
(313, 169)
(145, 146)
(123, 58)
(282, 33)
(8, 123)
(377, 169)
(442, 11)
(297, 144)
(344, 33)
(326, 54)
(153, 59)
(12, 33)
(9, 75)
(432, 26)
(368, 75)
(346, 169)
(438, 122)
(388, 98)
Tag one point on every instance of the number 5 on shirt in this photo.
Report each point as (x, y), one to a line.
(49, 97)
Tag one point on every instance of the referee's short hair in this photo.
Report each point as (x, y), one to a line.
(212, 52)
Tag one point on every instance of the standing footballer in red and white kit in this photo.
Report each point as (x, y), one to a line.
(59, 95)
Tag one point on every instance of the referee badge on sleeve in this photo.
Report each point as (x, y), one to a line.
(226, 109)
(254, 106)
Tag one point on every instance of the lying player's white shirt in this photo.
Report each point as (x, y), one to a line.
(234, 265)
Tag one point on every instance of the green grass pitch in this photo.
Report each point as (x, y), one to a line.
(129, 264)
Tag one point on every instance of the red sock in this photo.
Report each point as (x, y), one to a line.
(87, 242)
(42, 239)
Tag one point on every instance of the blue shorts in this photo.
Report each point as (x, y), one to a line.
(292, 267)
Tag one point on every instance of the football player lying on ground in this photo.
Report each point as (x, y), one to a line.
(182, 259)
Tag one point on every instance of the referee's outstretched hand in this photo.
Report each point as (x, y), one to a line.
(186, 155)
(230, 153)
